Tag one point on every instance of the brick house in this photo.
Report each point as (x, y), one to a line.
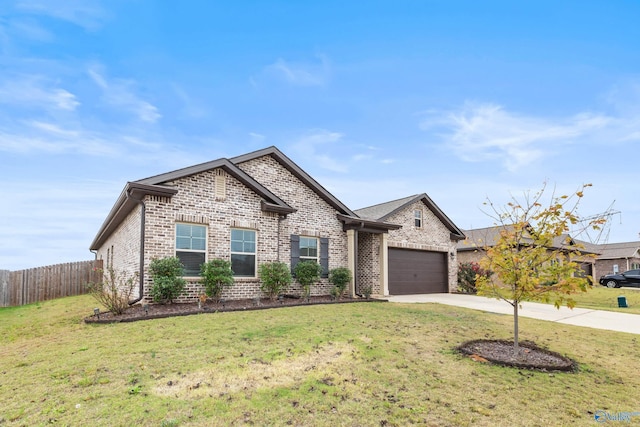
(471, 249)
(261, 207)
(618, 257)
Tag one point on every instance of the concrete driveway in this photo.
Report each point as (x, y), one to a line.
(599, 319)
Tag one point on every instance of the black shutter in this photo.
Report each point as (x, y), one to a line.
(324, 256)
(295, 251)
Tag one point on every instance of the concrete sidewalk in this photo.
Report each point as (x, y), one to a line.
(599, 319)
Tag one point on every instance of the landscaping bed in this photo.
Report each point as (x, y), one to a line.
(528, 356)
(159, 311)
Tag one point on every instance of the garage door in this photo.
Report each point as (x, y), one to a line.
(417, 272)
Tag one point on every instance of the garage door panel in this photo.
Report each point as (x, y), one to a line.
(415, 272)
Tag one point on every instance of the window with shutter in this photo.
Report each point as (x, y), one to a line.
(310, 249)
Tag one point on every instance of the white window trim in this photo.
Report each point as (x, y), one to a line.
(206, 242)
(419, 217)
(255, 253)
(308, 258)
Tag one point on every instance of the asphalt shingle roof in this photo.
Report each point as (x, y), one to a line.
(620, 250)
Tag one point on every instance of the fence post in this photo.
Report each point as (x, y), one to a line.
(4, 288)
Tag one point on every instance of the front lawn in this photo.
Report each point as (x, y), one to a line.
(354, 364)
(601, 298)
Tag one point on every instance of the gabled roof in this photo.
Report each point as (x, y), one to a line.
(288, 164)
(486, 237)
(384, 211)
(161, 185)
(228, 167)
(480, 238)
(620, 250)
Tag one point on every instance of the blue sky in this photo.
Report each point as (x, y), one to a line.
(378, 100)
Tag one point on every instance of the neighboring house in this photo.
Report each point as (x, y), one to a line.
(262, 207)
(472, 248)
(618, 257)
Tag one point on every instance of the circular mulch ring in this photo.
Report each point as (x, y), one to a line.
(529, 355)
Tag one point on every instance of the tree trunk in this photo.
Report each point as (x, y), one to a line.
(515, 327)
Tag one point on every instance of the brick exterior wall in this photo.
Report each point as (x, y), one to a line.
(477, 254)
(432, 236)
(605, 266)
(121, 251)
(369, 263)
(196, 203)
(220, 202)
(314, 216)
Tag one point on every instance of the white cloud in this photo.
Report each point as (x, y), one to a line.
(256, 137)
(39, 136)
(30, 29)
(481, 132)
(87, 14)
(301, 73)
(315, 144)
(120, 93)
(36, 91)
(62, 220)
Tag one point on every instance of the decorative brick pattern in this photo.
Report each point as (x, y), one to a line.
(369, 263)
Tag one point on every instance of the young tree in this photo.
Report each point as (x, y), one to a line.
(115, 290)
(216, 275)
(533, 258)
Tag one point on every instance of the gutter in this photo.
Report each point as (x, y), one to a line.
(143, 211)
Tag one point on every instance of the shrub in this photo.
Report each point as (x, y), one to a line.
(275, 278)
(467, 275)
(168, 283)
(114, 291)
(366, 291)
(307, 273)
(216, 275)
(340, 278)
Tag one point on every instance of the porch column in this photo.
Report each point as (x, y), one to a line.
(384, 263)
(351, 260)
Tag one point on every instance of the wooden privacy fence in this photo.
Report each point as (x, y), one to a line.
(45, 283)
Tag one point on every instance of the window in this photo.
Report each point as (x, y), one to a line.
(191, 247)
(417, 215)
(243, 253)
(308, 249)
(635, 266)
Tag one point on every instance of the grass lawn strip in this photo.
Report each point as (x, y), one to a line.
(369, 364)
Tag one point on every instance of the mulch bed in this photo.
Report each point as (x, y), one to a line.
(159, 311)
(529, 356)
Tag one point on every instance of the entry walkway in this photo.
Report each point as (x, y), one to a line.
(599, 319)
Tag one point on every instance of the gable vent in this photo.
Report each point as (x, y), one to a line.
(220, 184)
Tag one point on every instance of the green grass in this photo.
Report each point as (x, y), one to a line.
(601, 298)
(350, 364)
